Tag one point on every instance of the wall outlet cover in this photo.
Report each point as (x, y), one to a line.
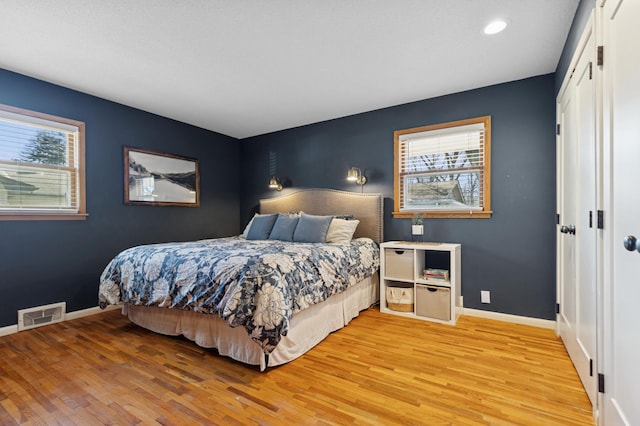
(485, 296)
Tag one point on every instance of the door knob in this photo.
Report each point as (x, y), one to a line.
(568, 229)
(631, 243)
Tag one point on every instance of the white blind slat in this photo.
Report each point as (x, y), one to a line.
(443, 144)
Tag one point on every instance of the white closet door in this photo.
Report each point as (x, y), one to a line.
(577, 208)
(586, 222)
(621, 295)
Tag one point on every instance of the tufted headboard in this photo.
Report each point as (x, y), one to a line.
(367, 208)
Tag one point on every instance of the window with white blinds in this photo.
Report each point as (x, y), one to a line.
(41, 166)
(443, 170)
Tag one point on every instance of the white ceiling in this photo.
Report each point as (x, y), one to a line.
(249, 67)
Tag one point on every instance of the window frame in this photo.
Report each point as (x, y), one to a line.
(486, 172)
(79, 187)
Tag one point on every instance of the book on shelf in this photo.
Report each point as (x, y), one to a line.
(436, 274)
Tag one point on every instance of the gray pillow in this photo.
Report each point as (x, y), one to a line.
(283, 228)
(311, 228)
(261, 227)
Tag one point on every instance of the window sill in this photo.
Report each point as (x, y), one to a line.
(445, 215)
(66, 216)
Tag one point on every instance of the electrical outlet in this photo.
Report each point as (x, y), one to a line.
(485, 296)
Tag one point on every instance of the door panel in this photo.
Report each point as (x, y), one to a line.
(577, 250)
(566, 249)
(586, 225)
(621, 291)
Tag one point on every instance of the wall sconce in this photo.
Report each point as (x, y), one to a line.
(274, 183)
(355, 175)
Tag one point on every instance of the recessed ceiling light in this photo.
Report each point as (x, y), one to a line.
(494, 27)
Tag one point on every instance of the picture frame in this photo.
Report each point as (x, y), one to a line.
(160, 179)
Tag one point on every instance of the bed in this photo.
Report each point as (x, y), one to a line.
(242, 295)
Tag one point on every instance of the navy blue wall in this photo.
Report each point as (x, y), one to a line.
(513, 253)
(44, 262)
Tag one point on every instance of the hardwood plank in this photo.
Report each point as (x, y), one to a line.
(381, 369)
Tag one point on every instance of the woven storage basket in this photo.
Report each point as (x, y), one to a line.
(400, 299)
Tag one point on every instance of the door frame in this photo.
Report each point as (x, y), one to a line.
(610, 241)
(590, 29)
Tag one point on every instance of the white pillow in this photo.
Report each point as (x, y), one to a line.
(341, 230)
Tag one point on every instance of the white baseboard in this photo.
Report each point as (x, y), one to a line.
(516, 319)
(11, 329)
(90, 311)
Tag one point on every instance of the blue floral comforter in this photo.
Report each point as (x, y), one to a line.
(255, 284)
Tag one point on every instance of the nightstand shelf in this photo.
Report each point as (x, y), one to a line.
(405, 291)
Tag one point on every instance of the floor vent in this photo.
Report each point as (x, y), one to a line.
(41, 315)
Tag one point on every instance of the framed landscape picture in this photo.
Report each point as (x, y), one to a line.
(159, 179)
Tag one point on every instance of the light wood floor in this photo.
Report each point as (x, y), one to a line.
(381, 369)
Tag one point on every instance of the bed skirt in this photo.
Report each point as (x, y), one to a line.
(308, 327)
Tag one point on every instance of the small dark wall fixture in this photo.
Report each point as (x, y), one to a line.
(274, 183)
(356, 176)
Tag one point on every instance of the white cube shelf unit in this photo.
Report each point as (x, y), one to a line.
(402, 274)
